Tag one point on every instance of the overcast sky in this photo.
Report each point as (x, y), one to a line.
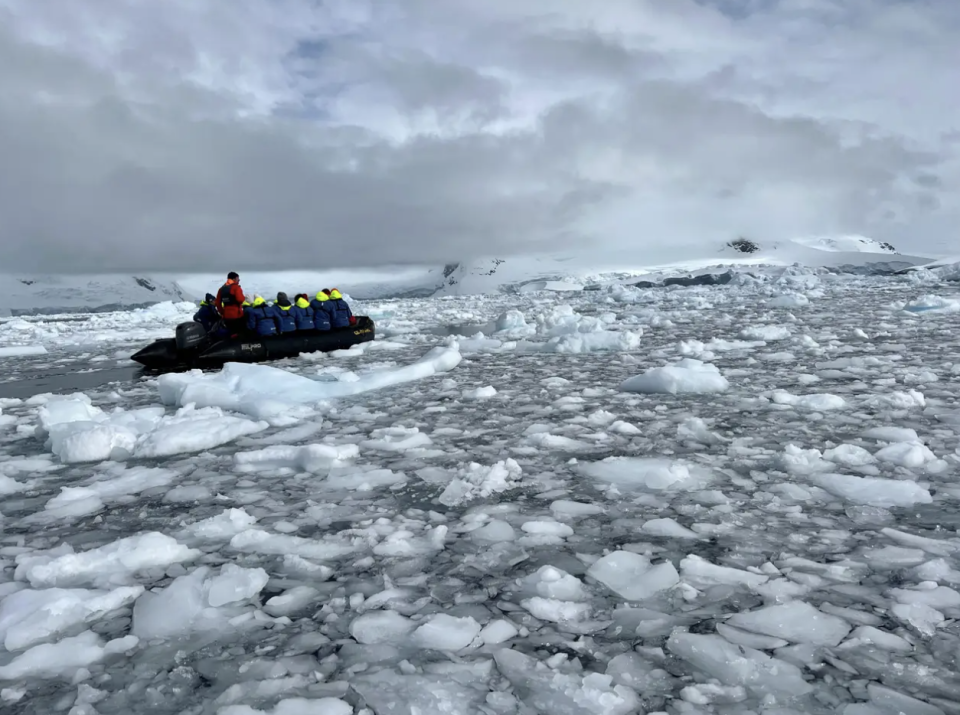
(267, 134)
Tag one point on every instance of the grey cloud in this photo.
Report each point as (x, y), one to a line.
(794, 171)
(581, 54)
(103, 189)
(101, 174)
(419, 81)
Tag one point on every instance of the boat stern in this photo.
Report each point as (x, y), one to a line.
(365, 330)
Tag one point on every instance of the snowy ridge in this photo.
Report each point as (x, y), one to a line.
(570, 271)
(853, 254)
(819, 251)
(845, 244)
(49, 294)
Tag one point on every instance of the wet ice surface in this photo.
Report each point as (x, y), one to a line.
(511, 523)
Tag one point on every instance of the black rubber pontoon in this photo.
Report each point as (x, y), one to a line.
(193, 348)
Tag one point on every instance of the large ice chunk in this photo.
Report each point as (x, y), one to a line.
(294, 706)
(78, 432)
(632, 576)
(737, 665)
(306, 458)
(223, 526)
(816, 402)
(444, 632)
(193, 602)
(473, 481)
(700, 573)
(194, 431)
(67, 657)
(795, 621)
(873, 491)
(686, 375)
(552, 582)
(381, 627)
(389, 693)
(235, 583)
(109, 565)
(911, 455)
(558, 693)
(30, 616)
(242, 387)
(111, 485)
(648, 473)
(789, 300)
(766, 332)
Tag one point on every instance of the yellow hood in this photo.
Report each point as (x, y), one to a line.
(322, 297)
(335, 294)
(302, 303)
(258, 301)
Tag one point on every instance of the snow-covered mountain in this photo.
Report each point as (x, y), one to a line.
(845, 244)
(46, 294)
(854, 254)
(820, 251)
(559, 272)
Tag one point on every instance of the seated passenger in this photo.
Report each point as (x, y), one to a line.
(341, 315)
(303, 313)
(207, 316)
(321, 311)
(261, 318)
(286, 322)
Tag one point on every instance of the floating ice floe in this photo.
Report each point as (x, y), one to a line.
(264, 390)
(77, 431)
(8, 351)
(789, 300)
(685, 376)
(932, 304)
(558, 330)
(628, 473)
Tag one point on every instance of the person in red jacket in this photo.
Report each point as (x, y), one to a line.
(230, 300)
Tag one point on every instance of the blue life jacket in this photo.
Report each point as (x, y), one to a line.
(341, 313)
(207, 316)
(303, 315)
(322, 313)
(286, 322)
(261, 319)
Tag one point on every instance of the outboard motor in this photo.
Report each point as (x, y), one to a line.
(190, 336)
